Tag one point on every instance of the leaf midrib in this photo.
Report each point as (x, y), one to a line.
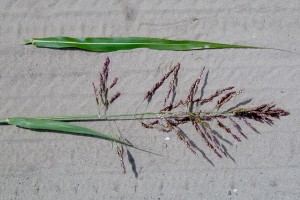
(110, 43)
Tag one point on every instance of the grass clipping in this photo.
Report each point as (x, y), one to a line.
(169, 118)
(128, 43)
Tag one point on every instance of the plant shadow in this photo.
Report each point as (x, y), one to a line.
(239, 104)
(132, 163)
(195, 146)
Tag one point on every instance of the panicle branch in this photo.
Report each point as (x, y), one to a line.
(114, 97)
(193, 90)
(96, 94)
(151, 92)
(228, 130)
(186, 141)
(238, 128)
(105, 69)
(173, 83)
(113, 83)
(206, 140)
(227, 98)
(212, 97)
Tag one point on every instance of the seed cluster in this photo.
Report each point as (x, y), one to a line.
(170, 120)
(101, 93)
(173, 113)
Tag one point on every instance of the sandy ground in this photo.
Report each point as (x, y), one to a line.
(44, 82)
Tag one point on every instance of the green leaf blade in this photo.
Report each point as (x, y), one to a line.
(57, 126)
(126, 43)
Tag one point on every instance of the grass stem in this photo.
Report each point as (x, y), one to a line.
(111, 117)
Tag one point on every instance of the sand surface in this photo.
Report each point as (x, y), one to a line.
(46, 82)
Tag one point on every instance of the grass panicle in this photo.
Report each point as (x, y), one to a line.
(172, 116)
(104, 89)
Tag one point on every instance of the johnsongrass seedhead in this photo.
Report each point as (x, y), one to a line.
(102, 92)
(180, 112)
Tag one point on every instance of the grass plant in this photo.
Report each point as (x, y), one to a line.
(169, 118)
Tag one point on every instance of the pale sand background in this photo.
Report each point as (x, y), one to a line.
(43, 82)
